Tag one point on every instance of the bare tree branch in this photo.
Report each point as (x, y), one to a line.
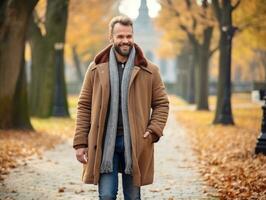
(236, 5)
(250, 25)
(194, 23)
(217, 9)
(213, 51)
(183, 27)
(191, 36)
(188, 4)
(204, 3)
(171, 7)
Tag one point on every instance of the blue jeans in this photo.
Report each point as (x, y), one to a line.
(108, 182)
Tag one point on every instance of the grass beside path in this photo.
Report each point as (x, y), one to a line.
(226, 153)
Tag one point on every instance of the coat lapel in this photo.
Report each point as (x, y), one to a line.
(133, 75)
(103, 71)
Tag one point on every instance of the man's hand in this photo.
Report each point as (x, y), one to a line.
(147, 133)
(82, 155)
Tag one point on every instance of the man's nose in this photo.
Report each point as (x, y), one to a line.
(125, 40)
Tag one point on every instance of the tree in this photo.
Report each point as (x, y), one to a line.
(197, 23)
(21, 119)
(223, 11)
(87, 30)
(77, 64)
(14, 18)
(250, 42)
(44, 34)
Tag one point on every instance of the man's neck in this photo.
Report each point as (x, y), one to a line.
(120, 58)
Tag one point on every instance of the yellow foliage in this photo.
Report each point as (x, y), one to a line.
(249, 17)
(177, 101)
(88, 25)
(237, 99)
(171, 17)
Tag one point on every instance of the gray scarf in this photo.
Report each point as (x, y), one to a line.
(111, 130)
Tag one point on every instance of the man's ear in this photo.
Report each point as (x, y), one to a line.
(111, 38)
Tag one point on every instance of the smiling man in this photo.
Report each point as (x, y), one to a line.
(122, 111)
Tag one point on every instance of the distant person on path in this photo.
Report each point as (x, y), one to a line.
(122, 110)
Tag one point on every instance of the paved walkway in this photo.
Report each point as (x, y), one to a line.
(57, 175)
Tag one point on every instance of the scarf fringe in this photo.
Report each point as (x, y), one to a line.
(128, 170)
(106, 167)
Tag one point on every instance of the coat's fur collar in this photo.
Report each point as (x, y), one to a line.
(103, 56)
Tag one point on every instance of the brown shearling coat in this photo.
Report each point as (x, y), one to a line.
(148, 108)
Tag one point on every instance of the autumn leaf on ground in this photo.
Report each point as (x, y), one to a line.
(225, 154)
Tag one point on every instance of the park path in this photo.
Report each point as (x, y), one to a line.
(57, 175)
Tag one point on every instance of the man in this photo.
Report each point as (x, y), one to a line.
(115, 127)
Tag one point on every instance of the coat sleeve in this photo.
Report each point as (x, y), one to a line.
(160, 107)
(83, 122)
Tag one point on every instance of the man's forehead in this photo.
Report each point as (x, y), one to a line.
(122, 28)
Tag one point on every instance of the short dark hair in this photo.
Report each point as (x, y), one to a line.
(121, 19)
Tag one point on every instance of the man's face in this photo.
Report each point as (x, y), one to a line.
(122, 38)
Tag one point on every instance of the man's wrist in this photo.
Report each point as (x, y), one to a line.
(155, 138)
(78, 146)
(150, 131)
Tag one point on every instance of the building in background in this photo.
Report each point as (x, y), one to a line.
(149, 39)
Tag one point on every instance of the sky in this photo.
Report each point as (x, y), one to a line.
(130, 7)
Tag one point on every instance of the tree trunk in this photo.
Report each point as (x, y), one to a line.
(39, 86)
(263, 60)
(57, 14)
(192, 75)
(223, 114)
(43, 58)
(21, 117)
(182, 74)
(14, 17)
(77, 63)
(60, 106)
(202, 73)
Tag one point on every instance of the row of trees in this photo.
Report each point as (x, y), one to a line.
(206, 26)
(209, 26)
(43, 25)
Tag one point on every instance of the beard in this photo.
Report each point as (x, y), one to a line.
(121, 51)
